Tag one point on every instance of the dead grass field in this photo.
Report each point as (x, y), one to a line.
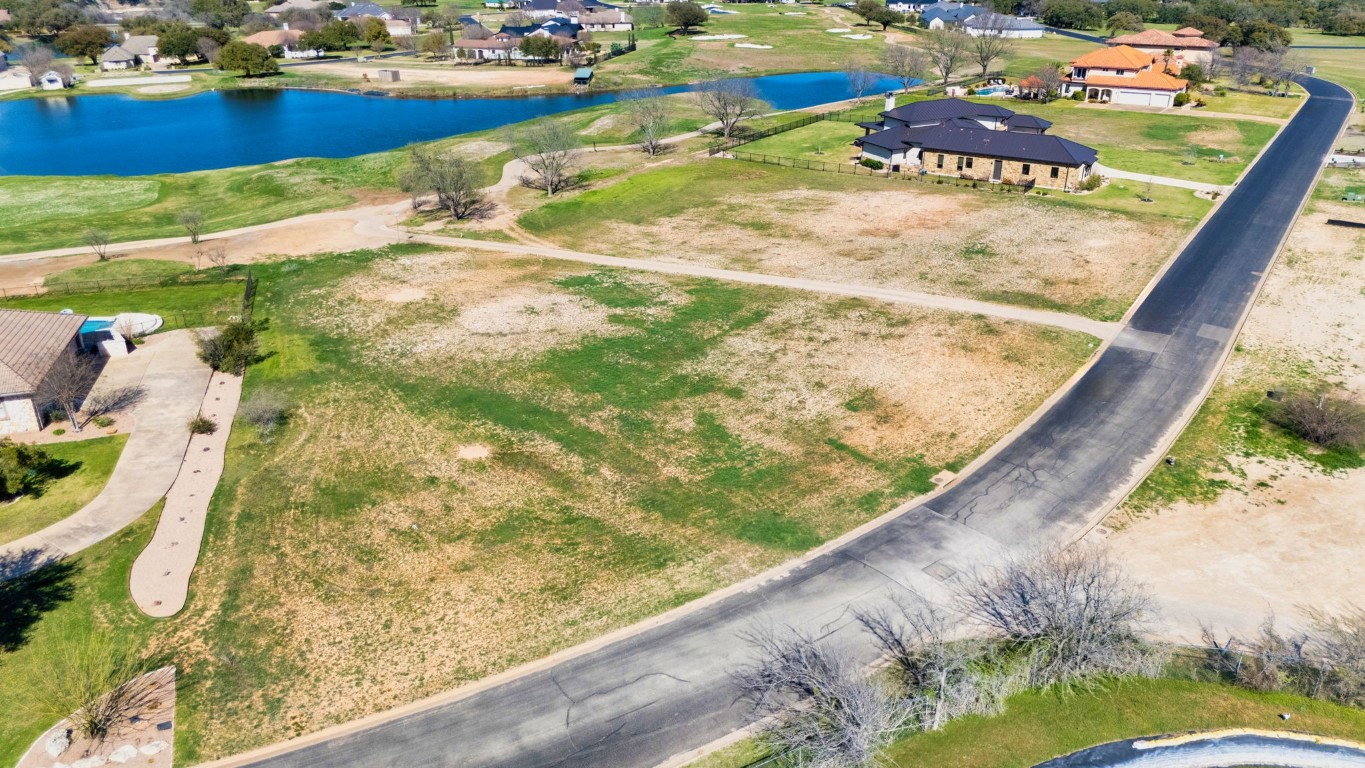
(1265, 528)
(494, 458)
(869, 231)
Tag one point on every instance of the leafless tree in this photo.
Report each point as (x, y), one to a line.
(518, 19)
(98, 240)
(1245, 65)
(454, 179)
(37, 59)
(948, 50)
(1279, 67)
(649, 116)
(476, 32)
(1325, 660)
(1073, 611)
(942, 676)
(906, 64)
(67, 384)
(550, 150)
(992, 44)
(193, 222)
(1051, 78)
(728, 102)
(860, 80)
(96, 681)
(217, 255)
(412, 181)
(822, 707)
(1337, 642)
(208, 48)
(1215, 67)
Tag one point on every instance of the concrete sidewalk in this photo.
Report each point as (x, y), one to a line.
(174, 379)
(1164, 181)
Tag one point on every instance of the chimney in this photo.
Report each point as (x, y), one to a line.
(126, 35)
(890, 101)
(286, 26)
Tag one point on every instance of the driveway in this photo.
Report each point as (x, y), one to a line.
(662, 688)
(167, 366)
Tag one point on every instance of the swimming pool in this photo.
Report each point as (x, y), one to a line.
(992, 90)
(94, 325)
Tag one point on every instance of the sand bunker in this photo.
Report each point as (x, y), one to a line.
(838, 30)
(751, 45)
(719, 37)
(858, 37)
(162, 88)
(473, 452)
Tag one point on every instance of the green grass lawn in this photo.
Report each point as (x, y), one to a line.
(1037, 727)
(133, 270)
(180, 306)
(85, 595)
(83, 468)
(1254, 103)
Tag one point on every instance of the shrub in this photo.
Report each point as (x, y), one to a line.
(875, 165)
(1091, 183)
(232, 349)
(1220, 91)
(1078, 96)
(103, 422)
(202, 425)
(59, 432)
(266, 410)
(21, 467)
(1181, 99)
(1332, 422)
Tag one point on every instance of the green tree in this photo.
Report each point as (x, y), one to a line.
(1071, 14)
(1261, 34)
(220, 13)
(248, 58)
(22, 468)
(84, 41)
(885, 17)
(1124, 21)
(375, 33)
(685, 14)
(540, 47)
(334, 36)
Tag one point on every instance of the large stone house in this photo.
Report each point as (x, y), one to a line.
(985, 142)
(31, 343)
(1184, 46)
(1123, 75)
(135, 51)
(943, 15)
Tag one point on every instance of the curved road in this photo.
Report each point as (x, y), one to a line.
(1216, 751)
(665, 689)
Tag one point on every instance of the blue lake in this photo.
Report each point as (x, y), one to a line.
(88, 135)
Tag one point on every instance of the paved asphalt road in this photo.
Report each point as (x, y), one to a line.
(667, 690)
(1242, 749)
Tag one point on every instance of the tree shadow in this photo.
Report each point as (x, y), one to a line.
(50, 472)
(32, 583)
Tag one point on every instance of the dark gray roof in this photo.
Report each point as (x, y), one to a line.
(945, 109)
(1001, 21)
(951, 15)
(891, 138)
(360, 9)
(521, 31)
(1029, 147)
(1028, 122)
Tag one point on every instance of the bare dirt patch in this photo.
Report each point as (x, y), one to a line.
(172, 88)
(473, 452)
(1285, 535)
(486, 77)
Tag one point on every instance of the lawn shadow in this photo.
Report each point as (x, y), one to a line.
(32, 583)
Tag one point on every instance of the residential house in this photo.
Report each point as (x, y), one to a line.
(357, 10)
(488, 49)
(296, 5)
(4, 16)
(603, 20)
(1176, 49)
(1002, 25)
(286, 38)
(942, 15)
(953, 137)
(400, 27)
(53, 80)
(543, 9)
(505, 44)
(31, 343)
(135, 51)
(117, 57)
(1123, 75)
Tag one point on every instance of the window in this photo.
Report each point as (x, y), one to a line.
(960, 161)
(969, 162)
(940, 161)
(1028, 169)
(1056, 172)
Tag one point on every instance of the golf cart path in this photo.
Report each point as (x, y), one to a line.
(167, 366)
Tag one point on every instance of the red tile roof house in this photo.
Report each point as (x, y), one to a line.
(1123, 75)
(1186, 46)
(30, 344)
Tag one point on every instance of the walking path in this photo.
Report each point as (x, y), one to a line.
(376, 228)
(1165, 181)
(168, 368)
(160, 579)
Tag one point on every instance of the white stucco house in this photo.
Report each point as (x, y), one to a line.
(1002, 25)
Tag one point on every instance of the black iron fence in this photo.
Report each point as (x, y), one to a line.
(122, 284)
(850, 115)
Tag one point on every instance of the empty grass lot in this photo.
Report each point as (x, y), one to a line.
(82, 469)
(1057, 252)
(184, 306)
(1037, 727)
(493, 458)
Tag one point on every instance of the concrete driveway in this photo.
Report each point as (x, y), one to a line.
(167, 366)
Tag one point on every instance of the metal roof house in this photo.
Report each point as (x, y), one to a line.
(982, 142)
(30, 345)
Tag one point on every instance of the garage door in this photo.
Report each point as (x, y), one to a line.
(1137, 98)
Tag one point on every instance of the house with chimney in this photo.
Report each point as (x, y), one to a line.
(135, 51)
(982, 142)
(1123, 75)
(1175, 49)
